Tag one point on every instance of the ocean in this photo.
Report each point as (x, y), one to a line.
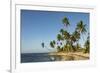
(37, 57)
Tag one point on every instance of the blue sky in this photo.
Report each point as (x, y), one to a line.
(43, 26)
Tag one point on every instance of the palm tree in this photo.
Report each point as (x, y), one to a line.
(62, 31)
(66, 35)
(59, 37)
(42, 44)
(87, 45)
(76, 35)
(81, 27)
(52, 44)
(72, 38)
(65, 21)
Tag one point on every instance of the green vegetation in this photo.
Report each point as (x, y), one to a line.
(87, 45)
(69, 41)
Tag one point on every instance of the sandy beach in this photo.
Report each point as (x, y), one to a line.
(70, 56)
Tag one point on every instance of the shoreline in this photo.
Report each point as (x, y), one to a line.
(70, 56)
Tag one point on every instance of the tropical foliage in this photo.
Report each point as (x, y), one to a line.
(69, 41)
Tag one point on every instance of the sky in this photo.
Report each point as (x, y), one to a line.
(43, 26)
